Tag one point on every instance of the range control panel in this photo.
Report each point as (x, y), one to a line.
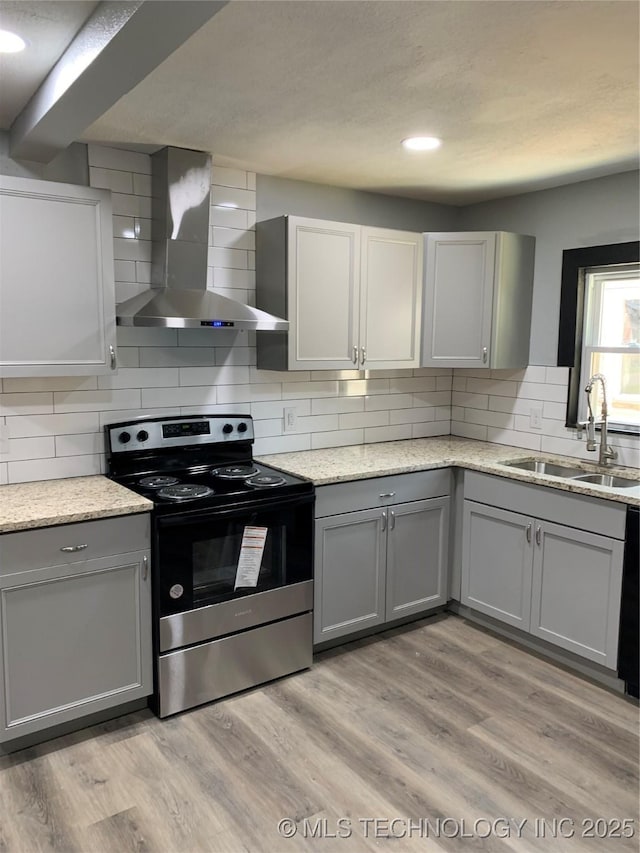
(180, 431)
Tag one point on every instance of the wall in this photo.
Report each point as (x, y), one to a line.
(279, 196)
(496, 405)
(590, 213)
(55, 424)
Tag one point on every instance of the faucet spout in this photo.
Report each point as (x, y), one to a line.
(607, 454)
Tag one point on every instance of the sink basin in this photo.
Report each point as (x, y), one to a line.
(609, 480)
(538, 466)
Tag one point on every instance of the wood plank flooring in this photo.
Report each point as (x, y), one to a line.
(453, 733)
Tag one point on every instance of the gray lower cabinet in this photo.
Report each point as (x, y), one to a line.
(76, 636)
(383, 563)
(497, 563)
(556, 581)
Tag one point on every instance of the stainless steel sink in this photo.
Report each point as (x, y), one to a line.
(609, 480)
(539, 466)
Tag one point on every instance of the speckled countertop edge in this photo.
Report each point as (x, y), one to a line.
(45, 503)
(364, 461)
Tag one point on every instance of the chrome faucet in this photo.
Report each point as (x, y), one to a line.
(607, 453)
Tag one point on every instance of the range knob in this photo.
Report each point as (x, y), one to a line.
(142, 435)
(242, 427)
(227, 428)
(124, 437)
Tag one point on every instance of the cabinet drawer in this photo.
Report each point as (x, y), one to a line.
(581, 511)
(381, 491)
(32, 549)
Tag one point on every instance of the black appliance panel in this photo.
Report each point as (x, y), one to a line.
(629, 642)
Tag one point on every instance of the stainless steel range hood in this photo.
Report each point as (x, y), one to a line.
(178, 298)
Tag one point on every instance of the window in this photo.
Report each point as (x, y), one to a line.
(600, 331)
(611, 343)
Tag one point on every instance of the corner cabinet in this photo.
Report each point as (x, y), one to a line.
(477, 301)
(554, 579)
(75, 619)
(352, 295)
(381, 552)
(57, 303)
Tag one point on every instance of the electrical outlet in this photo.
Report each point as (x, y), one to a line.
(535, 417)
(4, 439)
(290, 419)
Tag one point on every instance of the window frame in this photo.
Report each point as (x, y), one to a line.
(575, 263)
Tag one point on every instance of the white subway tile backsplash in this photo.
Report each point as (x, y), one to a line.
(356, 420)
(226, 177)
(141, 184)
(118, 158)
(111, 179)
(54, 468)
(387, 433)
(29, 448)
(233, 197)
(339, 438)
(141, 377)
(82, 444)
(218, 375)
(26, 404)
(200, 371)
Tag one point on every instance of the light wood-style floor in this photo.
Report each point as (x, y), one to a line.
(436, 721)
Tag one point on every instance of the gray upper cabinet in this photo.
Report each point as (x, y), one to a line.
(383, 562)
(57, 304)
(477, 303)
(555, 579)
(352, 295)
(76, 632)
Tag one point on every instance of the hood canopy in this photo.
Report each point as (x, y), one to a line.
(178, 297)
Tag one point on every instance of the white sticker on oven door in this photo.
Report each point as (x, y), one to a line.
(250, 559)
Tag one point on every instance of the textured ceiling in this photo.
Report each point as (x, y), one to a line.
(524, 93)
(47, 28)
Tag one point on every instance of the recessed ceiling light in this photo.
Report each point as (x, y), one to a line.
(10, 42)
(421, 143)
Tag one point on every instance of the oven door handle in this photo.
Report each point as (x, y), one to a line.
(246, 510)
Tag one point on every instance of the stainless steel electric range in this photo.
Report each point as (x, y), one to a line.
(232, 555)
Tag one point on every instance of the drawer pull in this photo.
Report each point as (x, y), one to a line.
(145, 568)
(71, 549)
(538, 535)
(388, 495)
(113, 358)
(363, 355)
(393, 519)
(384, 521)
(528, 533)
(355, 354)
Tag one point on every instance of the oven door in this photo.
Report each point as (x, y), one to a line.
(216, 556)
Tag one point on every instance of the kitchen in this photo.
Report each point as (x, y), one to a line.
(55, 431)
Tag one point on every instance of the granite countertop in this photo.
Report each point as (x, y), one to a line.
(358, 462)
(47, 502)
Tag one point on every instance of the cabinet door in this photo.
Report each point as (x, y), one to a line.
(417, 549)
(459, 275)
(577, 579)
(497, 563)
(324, 282)
(57, 305)
(349, 573)
(75, 639)
(390, 299)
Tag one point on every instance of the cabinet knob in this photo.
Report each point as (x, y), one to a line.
(71, 549)
(484, 355)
